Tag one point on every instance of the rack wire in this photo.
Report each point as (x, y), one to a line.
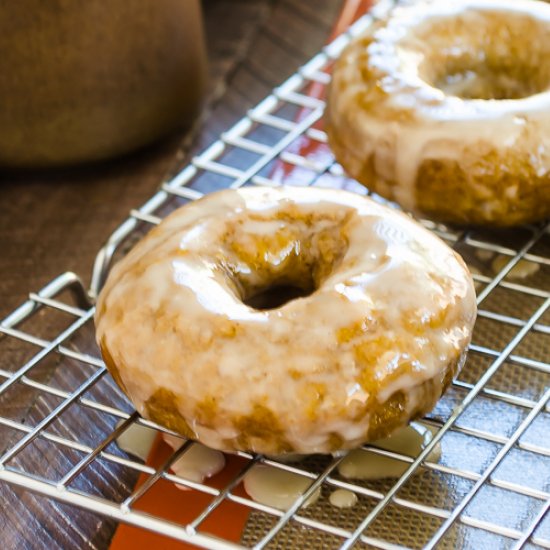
(491, 486)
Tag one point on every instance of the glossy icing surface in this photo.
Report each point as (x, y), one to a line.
(384, 325)
(452, 82)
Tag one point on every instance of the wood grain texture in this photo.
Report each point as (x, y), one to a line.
(56, 221)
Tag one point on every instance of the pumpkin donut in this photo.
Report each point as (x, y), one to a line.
(445, 108)
(286, 320)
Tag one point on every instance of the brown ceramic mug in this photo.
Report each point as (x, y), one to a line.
(87, 80)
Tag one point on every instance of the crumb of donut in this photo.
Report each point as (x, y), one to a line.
(112, 366)
(335, 442)
(342, 498)
(261, 424)
(453, 191)
(162, 408)
(388, 416)
(206, 411)
(228, 330)
(445, 190)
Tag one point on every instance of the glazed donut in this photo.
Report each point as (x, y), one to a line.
(444, 107)
(378, 317)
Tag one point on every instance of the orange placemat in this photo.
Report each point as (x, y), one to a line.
(166, 501)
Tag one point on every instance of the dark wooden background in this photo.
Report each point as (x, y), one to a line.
(56, 221)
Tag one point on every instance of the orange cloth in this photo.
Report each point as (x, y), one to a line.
(164, 500)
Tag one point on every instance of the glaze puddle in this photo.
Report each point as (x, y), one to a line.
(410, 441)
(277, 488)
(342, 498)
(136, 440)
(197, 463)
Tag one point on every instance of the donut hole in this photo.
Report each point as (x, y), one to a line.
(487, 55)
(472, 79)
(273, 268)
(298, 277)
(276, 295)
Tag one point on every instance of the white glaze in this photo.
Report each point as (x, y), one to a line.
(280, 489)
(445, 125)
(409, 441)
(342, 498)
(136, 440)
(197, 463)
(167, 308)
(484, 255)
(277, 488)
(522, 270)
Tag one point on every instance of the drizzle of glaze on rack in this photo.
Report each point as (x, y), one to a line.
(280, 488)
(136, 440)
(409, 441)
(197, 463)
(277, 488)
(342, 498)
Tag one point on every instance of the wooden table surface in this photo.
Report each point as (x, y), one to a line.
(56, 221)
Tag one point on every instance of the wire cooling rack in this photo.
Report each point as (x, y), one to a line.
(489, 489)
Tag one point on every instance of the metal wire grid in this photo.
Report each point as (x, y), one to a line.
(276, 116)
